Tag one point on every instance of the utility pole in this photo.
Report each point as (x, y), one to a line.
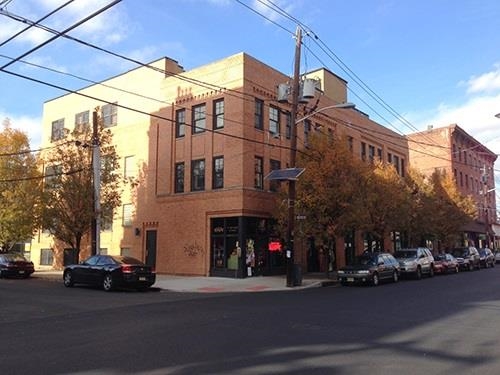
(484, 179)
(96, 185)
(295, 90)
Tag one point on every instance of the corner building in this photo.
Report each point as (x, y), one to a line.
(202, 205)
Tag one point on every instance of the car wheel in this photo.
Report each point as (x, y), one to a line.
(418, 273)
(395, 276)
(68, 279)
(375, 279)
(107, 282)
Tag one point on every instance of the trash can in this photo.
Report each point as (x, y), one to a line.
(297, 275)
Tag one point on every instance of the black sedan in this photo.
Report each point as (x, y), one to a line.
(370, 268)
(15, 265)
(110, 272)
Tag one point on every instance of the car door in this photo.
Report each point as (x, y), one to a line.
(82, 272)
(424, 260)
(382, 266)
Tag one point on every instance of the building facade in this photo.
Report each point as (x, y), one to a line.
(471, 164)
(199, 144)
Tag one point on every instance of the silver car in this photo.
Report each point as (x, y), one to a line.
(415, 262)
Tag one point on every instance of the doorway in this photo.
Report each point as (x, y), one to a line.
(151, 247)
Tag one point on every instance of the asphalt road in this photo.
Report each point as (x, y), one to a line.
(440, 325)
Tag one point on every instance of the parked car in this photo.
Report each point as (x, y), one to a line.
(467, 257)
(15, 265)
(497, 256)
(415, 262)
(486, 258)
(370, 268)
(110, 272)
(445, 263)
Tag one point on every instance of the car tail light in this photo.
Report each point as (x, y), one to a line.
(127, 269)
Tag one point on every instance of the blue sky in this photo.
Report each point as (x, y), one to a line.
(433, 62)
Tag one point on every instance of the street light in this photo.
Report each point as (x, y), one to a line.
(346, 105)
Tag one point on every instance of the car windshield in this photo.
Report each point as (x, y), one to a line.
(483, 252)
(408, 254)
(460, 252)
(440, 257)
(13, 257)
(367, 260)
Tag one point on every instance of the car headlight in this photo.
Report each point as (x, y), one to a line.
(363, 272)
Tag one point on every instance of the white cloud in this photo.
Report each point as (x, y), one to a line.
(487, 82)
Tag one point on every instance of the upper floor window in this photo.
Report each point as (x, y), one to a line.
(180, 123)
(259, 173)
(274, 120)
(371, 153)
(363, 151)
(129, 167)
(198, 175)
(288, 130)
(307, 130)
(53, 175)
(218, 116)
(57, 130)
(379, 154)
(127, 215)
(274, 165)
(259, 114)
(109, 115)
(199, 118)
(179, 178)
(82, 121)
(218, 173)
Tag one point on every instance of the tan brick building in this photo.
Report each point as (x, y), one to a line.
(202, 205)
(453, 150)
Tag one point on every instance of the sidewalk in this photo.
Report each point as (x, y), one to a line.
(200, 284)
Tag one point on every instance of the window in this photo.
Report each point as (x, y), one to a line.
(218, 116)
(395, 161)
(57, 130)
(218, 173)
(288, 130)
(109, 115)
(198, 175)
(379, 154)
(53, 175)
(82, 121)
(125, 251)
(199, 118)
(46, 257)
(259, 114)
(389, 158)
(350, 143)
(129, 167)
(107, 223)
(274, 165)
(274, 120)
(179, 178)
(307, 130)
(259, 176)
(180, 123)
(127, 215)
(371, 153)
(363, 151)
(461, 179)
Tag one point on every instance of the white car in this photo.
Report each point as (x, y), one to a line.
(415, 262)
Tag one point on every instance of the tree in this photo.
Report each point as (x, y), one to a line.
(19, 187)
(384, 198)
(451, 210)
(328, 191)
(68, 193)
